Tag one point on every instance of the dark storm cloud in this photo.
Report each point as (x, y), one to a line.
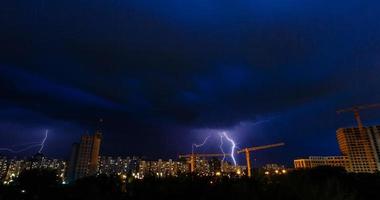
(155, 71)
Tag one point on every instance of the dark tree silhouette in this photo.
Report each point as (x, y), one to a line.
(37, 183)
(315, 184)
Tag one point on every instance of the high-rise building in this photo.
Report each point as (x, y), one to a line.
(317, 161)
(85, 157)
(362, 150)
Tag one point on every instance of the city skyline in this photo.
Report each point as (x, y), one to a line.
(164, 76)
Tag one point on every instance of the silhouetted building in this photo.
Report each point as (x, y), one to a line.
(72, 162)
(84, 157)
(362, 152)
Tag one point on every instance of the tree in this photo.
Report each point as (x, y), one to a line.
(37, 182)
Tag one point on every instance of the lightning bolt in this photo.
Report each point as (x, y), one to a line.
(30, 146)
(25, 144)
(222, 135)
(221, 147)
(43, 141)
(199, 145)
(20, 150)
(232, 148)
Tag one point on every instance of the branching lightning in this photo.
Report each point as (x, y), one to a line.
(222, 135)
(25, 144)
(199, 145)
(29, 145)
(232, 148)
(20, 150)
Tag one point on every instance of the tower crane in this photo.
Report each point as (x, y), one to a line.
(247, 152)
(193, 156)
(356, 110)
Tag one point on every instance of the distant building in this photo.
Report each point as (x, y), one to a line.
(40, 161)
(229, 168)
(84, 159)
(162, 168)
(118, 165)
(273, 167)
(11, 168)
(215, 165)
(3, 167)
(363, 153)
(139, 168)
(317, 161)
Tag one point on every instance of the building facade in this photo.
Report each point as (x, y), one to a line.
(84, 159)
(12, 167)
(317, 161)
(362, 151)
(117, 165)
(140, 168)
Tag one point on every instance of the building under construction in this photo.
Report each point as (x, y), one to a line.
(360, 147)
(363, 152)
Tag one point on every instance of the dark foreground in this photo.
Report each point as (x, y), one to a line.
(323, 183)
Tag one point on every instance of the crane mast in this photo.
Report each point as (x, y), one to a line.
(248, 151)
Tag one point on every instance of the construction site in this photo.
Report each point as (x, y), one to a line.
(359, 146)
(195, 159)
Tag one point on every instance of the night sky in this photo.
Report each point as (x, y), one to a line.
(165, 74)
